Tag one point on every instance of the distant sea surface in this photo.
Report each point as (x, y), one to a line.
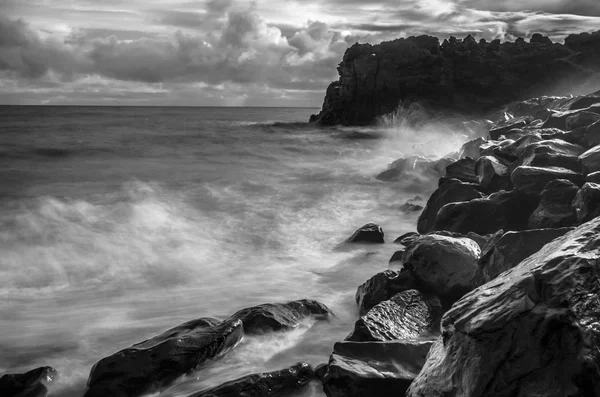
(117, 223)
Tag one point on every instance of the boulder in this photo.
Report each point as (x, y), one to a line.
(511, 249)
(532, 331)
(151, 365)
(590, 160)
(532, 180)
(148, 366)
(369, 233)
(581, 119)
(408, 207)
(381, 287)
(463, 170)
(397, 256)
(442, 265)
(270, 317)
(518, 146)
(30, 384)
(363, 369)
(414, 166)
(450, 192)
(559, 119)
(591, 136)
(505, 127)
(501, 210)
(267, 384)
(593, 177)
(554, 209)
(471, 149)
(550, 153)
(587, 202)
(492, 174)
(407, 315)
(406, 238)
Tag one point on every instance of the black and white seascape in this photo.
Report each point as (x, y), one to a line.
(342, 199)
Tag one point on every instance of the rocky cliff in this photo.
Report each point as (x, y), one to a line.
(463, 75)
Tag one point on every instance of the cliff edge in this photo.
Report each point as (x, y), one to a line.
(462, 75)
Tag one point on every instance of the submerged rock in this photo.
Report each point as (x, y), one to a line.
(381, 287)
(532, 331)
(511, 249)
(450, 192)
(267, 384)
(442, 265)
(369, 233)
(149, 366)
(407, 315)
(554, 209)
(373, 369)
(30, 384)
(587, 202)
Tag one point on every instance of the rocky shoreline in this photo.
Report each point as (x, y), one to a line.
(498, 294)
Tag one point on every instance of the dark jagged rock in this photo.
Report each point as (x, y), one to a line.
(267, 384)
(381, 287)
(364, 369)
(505, 127)
(587, 202)
(397, 256)
(555, 209)
(151, 365)
(320, 371)
(511, 249)
(581, 120)
(594, 177)
(407, 315)
(590, 160)
(414, 166)
(442, 265)
(532, 331)
(369, 233)
(406, 238)
(407, 208)
(463, 170)
(532, 180)
(471, 149)
(460, 75)
(279, 316)
(591, 137)
(492, 174)
(30, 384)
(550, 153)
(450, 192)
(558, 119)
(501, 210)
(517, 148)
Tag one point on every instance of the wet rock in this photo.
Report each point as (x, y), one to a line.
(590, 160)
(591, 136)
(406, 238)
(30, 384)
(501, 210)
(471, 149)
(511, 249)
(397, 256)
(505, 127)
(463, 170)
(492, 174)
(551, 153)
(407, 208)
(381, 287)
(582, 119)
(369, 233)
(593, 177)
(516, 148)
(587, 202)
(450, 192)
(267, 384)
(559, 119)
(442, 265)
(151, 365)
(555, 209)
(532, 331)
(407, 315)
(362, 369)
(532, 180)
(270, 317)
(414, 166)
(320, 371)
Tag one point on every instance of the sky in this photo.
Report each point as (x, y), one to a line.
(232, 52)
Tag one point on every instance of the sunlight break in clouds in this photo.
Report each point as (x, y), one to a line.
(225, 52)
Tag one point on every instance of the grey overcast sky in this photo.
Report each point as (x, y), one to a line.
(232, 52)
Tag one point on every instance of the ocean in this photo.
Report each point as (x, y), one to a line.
(117, 223)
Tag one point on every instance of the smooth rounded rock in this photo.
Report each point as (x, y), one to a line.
(369, 233)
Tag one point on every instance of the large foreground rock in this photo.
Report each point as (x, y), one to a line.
(407, 315)
(501, 210)
(443, 265)
(373, 369)
(510, 249)
(30, 384)
(381, 287)
(151, 365)
(532, 331)
(267, 384)
(464, 75)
